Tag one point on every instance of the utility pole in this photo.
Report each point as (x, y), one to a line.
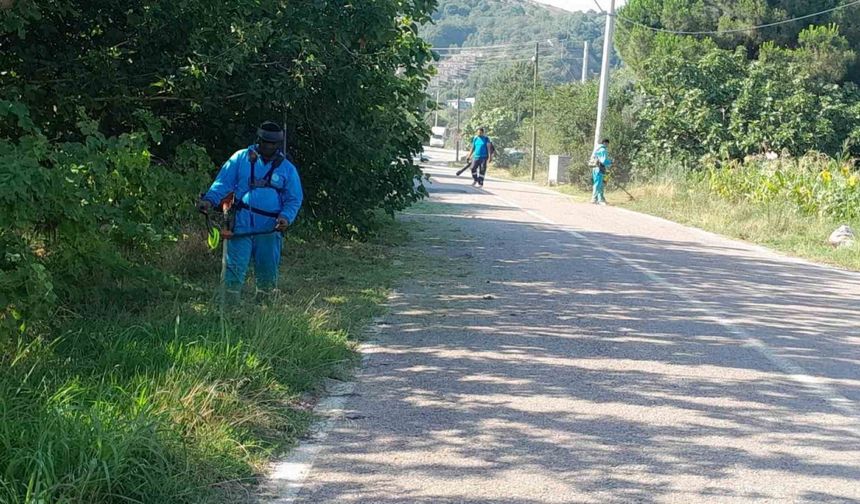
(603, 96)
(534, 111)
(284, 126)
(457, 155)
(436, 119)
(564, 57)
(585, 62)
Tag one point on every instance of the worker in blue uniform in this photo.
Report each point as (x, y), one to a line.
(267, 195)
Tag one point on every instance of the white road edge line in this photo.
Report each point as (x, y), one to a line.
(692, 229)
(287, 477)
(792, 370)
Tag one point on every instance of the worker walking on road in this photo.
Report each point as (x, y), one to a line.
(602, 162)
(266, 194)
(481, 153)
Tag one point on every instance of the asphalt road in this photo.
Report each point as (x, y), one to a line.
(570, 353)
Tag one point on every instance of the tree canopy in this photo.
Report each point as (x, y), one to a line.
(636, 41)
(115, 115)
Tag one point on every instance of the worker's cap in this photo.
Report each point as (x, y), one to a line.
(270, 132)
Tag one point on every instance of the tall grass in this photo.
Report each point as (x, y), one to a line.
(171, 405)
(813, 184)
(791, 206)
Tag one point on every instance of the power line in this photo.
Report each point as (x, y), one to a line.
(541, 39)
(522, 57)
(504, 51)
(736, 30)
(493, 52)
(497, 60)
(499, 57)
(482, 53)
(553, 38)
(507, 57)
(461, 74)
(480, 47)
(503, 48)
(458, 66)
(448, 71)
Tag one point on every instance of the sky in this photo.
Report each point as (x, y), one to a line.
(579, 5)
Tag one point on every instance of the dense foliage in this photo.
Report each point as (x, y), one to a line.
(637, 42)
(811, 185)
(502, 106)
(785, 88)
(114, 116)
(699, 99)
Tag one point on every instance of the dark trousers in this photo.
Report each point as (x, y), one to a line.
(479, 169)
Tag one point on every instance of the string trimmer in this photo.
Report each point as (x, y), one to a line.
(224, 231)
(621, 186)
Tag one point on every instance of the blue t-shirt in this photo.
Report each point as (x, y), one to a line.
(481, 146)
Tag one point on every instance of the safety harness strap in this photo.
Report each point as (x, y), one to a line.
(267, 178)
(241, 205)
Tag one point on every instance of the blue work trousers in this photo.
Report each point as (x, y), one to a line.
(264, 249)
(597, 192)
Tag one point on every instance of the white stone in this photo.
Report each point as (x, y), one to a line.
(843, 236)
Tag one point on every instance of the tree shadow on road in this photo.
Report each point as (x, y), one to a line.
(537, 353)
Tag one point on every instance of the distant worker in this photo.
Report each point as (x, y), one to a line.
(481, 153)
(266, 193)
(602, 162)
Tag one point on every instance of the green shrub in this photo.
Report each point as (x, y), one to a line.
(814, 184)
(105, 145)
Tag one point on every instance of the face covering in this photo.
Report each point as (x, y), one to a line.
(267, 149)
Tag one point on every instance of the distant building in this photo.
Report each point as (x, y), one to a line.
(465, 104)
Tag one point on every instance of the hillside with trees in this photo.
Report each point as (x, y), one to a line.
(480, 42)
(459, 25)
